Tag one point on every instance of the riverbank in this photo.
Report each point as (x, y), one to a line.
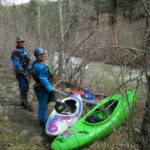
(20, 129)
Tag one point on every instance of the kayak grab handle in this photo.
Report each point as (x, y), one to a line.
(60, 139)
(83, 131)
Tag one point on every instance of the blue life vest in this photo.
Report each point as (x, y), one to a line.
(41, 74)
(20, 60)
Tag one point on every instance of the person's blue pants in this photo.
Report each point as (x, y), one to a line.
(23, 86)
(42, 106)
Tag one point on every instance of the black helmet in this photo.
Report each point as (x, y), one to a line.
(60, 107)
(38, 51)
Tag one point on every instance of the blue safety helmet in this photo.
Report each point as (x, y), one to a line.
(39, 51)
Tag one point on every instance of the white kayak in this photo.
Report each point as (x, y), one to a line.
(57, 123)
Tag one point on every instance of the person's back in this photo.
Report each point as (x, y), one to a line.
(20, 60)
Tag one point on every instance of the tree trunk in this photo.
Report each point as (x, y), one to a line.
(113, 19)
(98, 5)
(39, 23)
(130, 14)
(146, 36)
(60, 68)
(145, 128)
(125, 10)
(112, 12)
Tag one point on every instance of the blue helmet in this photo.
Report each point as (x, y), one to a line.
(38, 51)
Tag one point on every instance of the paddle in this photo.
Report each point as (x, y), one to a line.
(59, 106)
(65, 94)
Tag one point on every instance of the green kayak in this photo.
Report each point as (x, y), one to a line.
(97, 123)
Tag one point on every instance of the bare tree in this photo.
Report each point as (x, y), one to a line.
(145, 128)
(39, 22)
(62, 40)
(112, 12)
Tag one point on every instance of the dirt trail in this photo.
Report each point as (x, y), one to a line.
(19, 128)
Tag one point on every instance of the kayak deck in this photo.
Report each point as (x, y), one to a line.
(99, 122)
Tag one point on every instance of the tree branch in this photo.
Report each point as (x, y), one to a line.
(144, 5)
(132, 49)
(85, 39)
(121, 47)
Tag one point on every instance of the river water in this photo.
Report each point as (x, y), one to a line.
(103, 77)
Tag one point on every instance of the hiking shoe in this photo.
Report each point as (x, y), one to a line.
(23, 103)
(26, 106)
(29, 107)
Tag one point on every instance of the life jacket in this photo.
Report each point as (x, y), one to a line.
(24, 59)
(35, 77)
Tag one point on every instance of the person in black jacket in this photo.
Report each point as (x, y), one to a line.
(21, 65)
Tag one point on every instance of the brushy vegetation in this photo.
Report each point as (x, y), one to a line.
(88, 30)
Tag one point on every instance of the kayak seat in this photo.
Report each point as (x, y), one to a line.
(102, 113)
(71, 105)
(94, 119)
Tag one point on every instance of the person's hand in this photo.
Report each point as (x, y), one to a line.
(23, 73)
(15, 70)
(51, 97)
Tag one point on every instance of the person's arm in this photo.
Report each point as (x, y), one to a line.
(15, 60)
(44, 79)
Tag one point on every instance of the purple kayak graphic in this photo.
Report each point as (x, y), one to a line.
(57, 123)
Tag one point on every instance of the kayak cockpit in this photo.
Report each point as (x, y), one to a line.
(102, 113)
(70, 107)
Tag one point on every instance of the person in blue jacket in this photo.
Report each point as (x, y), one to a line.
(43, 87)
(21, 63)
